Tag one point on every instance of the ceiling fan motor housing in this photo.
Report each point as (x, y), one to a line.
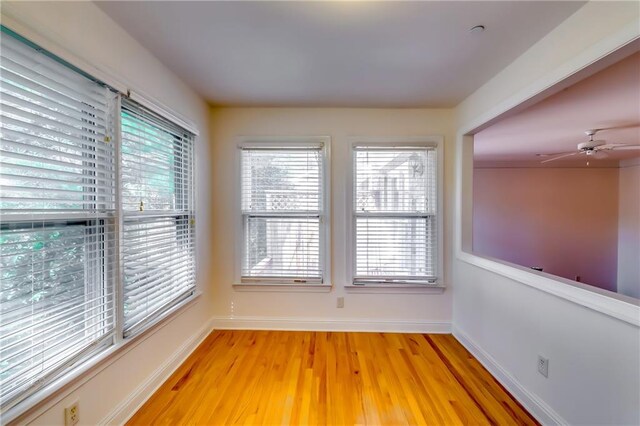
(590, 145)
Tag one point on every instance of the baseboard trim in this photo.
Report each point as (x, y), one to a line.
(322, 324)
(536, 406)
(132, 403)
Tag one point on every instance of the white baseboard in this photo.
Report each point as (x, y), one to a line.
(537, 407)
(322, 324)
(132, 403)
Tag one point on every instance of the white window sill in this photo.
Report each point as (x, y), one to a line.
(34, 405)
(396, 288)
(282, 287)
(615, 305)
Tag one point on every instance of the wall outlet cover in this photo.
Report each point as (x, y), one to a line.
(72, 414)
(543, 366)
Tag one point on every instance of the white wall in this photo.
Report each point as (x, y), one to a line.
(83, 30)
(234, 308)
(594, 373)
(629, 229)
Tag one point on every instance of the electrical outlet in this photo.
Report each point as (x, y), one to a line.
(340, 302)
(543, 366)
(72, 414)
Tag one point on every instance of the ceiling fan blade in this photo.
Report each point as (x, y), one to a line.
(567, 154)
(614, 145)
(621, 125)
(609, 146)
(625, 147)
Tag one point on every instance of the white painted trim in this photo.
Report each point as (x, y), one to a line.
(536, 406)
(283, 287)
(324, 324)
(164, 111)
(395, 289)
(132, 402)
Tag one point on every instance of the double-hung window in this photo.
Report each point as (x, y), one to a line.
(283, 209)
(58, 207)
(394, 214)
(158, 242)
(97, 218)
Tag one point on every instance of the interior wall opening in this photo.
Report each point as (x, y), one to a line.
(556, 186)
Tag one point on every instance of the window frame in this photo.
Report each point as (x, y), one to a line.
(324, 214)
(432, 141)
(123, 333)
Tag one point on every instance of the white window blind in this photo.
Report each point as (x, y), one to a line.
(282, 212)
(57, 153)
(394, 215)
(158, 245)
(57, 201)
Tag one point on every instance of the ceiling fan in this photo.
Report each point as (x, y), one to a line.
(594, 148)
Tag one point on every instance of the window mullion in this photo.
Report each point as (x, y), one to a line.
(119, 282)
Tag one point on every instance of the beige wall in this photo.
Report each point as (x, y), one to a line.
(562, 219)
(313, 310)
(83, 31)
(629, 230)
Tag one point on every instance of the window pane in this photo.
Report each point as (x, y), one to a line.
(54, 296)
(394, 201)
(394, 180)
(395, 247)
(56, 153)
(157, 162)
(282, 247)
(159, 265)
(282, 180)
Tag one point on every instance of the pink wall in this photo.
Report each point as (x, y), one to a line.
(562, 219)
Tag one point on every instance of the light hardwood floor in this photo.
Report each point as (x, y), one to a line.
(317, 378)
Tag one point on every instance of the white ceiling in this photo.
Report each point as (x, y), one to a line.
(343, 53)
(608, 100)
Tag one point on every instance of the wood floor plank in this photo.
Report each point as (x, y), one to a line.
(317, 378)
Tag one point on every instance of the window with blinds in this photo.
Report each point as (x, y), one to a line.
(282, 198)
(58, 207)
(158, 242)
(394, 215)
